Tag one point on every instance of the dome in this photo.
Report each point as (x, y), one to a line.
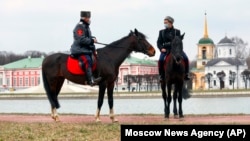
(206, 41)
(225, 40)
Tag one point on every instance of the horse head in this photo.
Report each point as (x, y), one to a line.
(141, 44)
(177, 48)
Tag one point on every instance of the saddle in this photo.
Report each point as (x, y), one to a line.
(167, 59)
(73, 64)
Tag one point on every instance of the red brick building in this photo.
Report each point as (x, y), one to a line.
(26, 73)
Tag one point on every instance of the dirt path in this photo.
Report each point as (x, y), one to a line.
(130, 119)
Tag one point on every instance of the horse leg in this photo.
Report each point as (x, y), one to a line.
(111, 102)
(175, 103)
(180, 102)
(54, 114)
(164, 97)
(57, 89)
(169, 98)
(102, 88)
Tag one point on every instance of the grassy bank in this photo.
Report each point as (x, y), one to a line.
(59, 132)
(82, 129)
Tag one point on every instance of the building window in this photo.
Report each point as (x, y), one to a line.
(32, 81)
(214, 72)
(204, 53)
(38, 80)
(203, 63)
(230, 51)
(14, 82)
(230, 82)
(8, 81)
(20, 81)
(26, 81)
(214, 82)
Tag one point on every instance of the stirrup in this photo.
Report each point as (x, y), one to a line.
(95, 81)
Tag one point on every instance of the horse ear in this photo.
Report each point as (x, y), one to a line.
(182, 36)
(131, 32)
(136, 32)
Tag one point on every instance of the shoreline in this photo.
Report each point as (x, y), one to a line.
(120, 96)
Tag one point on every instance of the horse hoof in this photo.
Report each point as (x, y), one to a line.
(166, 117)
(114, 120)
(56, 118)
(97, 120)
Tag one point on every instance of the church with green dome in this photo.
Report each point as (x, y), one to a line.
(206, 50)
(217, 66)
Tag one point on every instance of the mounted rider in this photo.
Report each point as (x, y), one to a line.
(84, 45)
(164, 44)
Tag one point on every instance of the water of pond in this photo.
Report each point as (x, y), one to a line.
(218, 105)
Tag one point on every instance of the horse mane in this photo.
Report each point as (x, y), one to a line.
(177, 42)
(116, 44)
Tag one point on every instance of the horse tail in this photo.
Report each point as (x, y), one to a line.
(52, 99)
(185, 93)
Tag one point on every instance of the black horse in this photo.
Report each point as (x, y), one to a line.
(174, 75)
(109, 59)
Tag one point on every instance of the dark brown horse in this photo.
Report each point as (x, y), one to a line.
(109, 59)
(174, 75)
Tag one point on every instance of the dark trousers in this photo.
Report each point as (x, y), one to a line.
(89, 59)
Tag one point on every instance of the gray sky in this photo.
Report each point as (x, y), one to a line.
(47, 25)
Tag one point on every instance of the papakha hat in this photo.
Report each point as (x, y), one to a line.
(170, 19)
(85, 14)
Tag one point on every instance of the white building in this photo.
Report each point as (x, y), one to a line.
(226, 63)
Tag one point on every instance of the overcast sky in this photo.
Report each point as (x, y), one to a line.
(47, 25)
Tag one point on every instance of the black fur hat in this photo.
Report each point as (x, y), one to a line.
(85, 14)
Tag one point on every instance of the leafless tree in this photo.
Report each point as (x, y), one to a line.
(241, 48)
(246, 76)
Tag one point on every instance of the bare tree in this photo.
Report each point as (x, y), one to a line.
(248, 62)
(209, 76)
(246, 76)
(221, 75)
(241, 48)
(8, 57)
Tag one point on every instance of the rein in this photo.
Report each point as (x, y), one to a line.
(102, 43)
(143, 50)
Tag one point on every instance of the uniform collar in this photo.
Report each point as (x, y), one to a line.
(81, 20)
(169, 29)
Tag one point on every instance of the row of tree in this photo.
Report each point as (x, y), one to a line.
(8, 57)
(232, 76)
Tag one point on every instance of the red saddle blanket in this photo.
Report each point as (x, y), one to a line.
(73, 65)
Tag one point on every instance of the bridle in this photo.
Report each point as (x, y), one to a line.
(177, 61)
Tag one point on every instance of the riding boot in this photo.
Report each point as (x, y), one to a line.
(91, 80)
(161, 71)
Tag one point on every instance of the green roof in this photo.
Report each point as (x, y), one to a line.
(25, 63)
(206, 41)
(134, 60)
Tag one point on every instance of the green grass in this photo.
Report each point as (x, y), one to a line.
(10, 131)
